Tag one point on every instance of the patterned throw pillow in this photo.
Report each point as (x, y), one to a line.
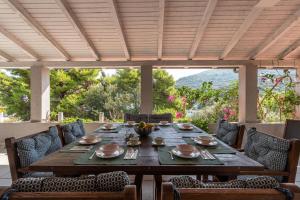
(33, 149)
(270, 151)
(189, 182)
(227, 132)
(106, 182)
(262, 182)
(112, 182)
(28, 185)
(73, 131)
(78, 184)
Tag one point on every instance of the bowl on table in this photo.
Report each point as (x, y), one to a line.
(186, 149)
(159, 140)
(130, 123)
(109, 149)
(164, 123)
(205, 140)
(143, 132)
(187, 126)
(89, 138)
(108, 126)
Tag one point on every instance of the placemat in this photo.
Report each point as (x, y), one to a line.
(220, 148)
(165, 159)
(84, 160)
(66, 149)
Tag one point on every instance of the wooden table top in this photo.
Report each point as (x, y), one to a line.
(61, 163)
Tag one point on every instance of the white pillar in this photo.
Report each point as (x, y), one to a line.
(146, 89)
(248, 93)
(40, 93)
(297, 89)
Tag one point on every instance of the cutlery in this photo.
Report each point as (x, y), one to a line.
(135, 154)
(209, 155)
(129, 154)
(91, 157)
(171, 154)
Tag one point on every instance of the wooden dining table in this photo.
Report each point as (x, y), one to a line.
(61, 163)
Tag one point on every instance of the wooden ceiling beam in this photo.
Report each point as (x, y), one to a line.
(67, 10)
(22, 12)
(289, 50)
(202, 26)
(19, 43)
(276, 35)
(252, 16)
(161, 27)
(6, 57)
(118, 25)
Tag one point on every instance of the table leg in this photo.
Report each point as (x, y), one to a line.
(138, 181)
(158, 182)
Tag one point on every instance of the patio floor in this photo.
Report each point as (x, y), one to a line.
(148, 185)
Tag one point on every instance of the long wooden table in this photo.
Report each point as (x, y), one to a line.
(61, 163)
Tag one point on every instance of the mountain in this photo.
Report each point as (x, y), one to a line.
(222, 77)
(219, 77)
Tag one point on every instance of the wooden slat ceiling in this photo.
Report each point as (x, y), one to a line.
(119, 30)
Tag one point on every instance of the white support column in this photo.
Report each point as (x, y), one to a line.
(297, 89)
(40, 93)
(146, 89)
(248, 93)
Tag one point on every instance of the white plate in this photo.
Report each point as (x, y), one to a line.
(168, 124)
(195, 154)
(155, 144)
(129, 143)
(211, 144)
(185, 128)
(112, 128)
(84, 142)
(100, 153)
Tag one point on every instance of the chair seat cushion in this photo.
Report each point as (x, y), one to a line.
(107, 182)
(35, 148)
(227, 132)
(272, 152)
(73, 131)
(262, 182)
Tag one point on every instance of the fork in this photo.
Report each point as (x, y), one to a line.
(171, 154)
(91, 157)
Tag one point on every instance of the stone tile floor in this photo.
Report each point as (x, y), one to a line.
(148, 185)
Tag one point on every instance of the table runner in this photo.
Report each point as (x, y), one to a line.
(165, 159)
(84, 159)
(220, 148)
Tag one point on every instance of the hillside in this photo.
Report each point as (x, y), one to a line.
(219, 77)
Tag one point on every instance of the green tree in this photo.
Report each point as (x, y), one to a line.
(15, 93)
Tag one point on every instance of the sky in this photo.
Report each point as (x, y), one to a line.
(176, 73)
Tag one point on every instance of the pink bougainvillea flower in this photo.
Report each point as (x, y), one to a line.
(226, 110)
(277, 80)
(171, 98)
(225, 117)
(232, 112)
(179, 115)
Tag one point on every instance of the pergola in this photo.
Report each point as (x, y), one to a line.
(244, 34)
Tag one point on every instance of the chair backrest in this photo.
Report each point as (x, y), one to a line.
(13, 158)
(231, 129)
(228, 193)
(71, 131)
(292, 129)
(149, 118)
(129, 193)
(289, 174)
(156, 118)
(136, 117)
